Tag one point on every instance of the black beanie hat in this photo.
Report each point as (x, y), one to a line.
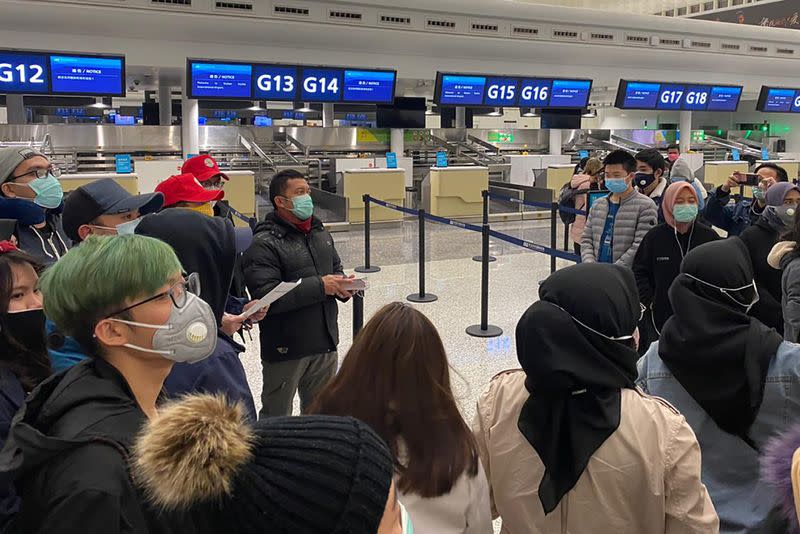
(309, 474)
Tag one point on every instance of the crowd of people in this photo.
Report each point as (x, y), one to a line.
(665, 398)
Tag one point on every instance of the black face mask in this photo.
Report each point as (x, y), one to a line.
(644, 180)
(26, 328)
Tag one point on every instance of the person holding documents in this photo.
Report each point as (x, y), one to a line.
(300, 333)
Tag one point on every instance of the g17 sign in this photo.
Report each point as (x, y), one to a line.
(779, 14)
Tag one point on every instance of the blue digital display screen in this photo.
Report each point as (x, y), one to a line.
(677, 96)
(534, 92)
(369, 86)
(221, 80)
(642, 95)
(24, 73)
(275, 82)
(462, 90)
(262, 121)
(321, 85)
(87, 75)
(501, 92)
(124, 120)
(570, 93)
(779, 100)
(511, 91)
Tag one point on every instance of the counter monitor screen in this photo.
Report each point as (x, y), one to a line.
(56, 73)
(510, 91)
(290, 83)
(779, 100)
(677, 96)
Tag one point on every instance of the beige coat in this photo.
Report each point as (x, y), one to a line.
(645, 479)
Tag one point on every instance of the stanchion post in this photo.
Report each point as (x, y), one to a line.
(485, 221)
(553, 234)
(484, 329)
(358, 313)
(367, 268)
(422, 296)
(566, 237)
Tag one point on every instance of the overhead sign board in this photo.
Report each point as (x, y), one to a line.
(677, 96)
(290, 83)
(61, 73)
(511, 91)
(779, 100)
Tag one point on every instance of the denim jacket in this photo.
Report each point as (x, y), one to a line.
(730, 467)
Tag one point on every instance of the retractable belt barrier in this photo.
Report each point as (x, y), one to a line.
(542, 205)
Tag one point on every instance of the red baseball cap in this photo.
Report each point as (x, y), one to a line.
(202, 167)
(186, 188)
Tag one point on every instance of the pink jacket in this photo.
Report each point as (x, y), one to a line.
(581, 182)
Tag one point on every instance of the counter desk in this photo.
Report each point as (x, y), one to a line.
(557, 176)
(456, 191)
(717, 172)
(384, 184)
(129, 182)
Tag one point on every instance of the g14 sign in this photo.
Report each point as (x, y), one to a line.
(260, 81)
(24, 72)
(677, 96)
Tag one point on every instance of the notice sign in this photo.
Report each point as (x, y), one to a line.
(391, 160)
(441, 159)
(123, 163)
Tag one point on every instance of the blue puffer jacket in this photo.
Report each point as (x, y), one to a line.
(733, 218)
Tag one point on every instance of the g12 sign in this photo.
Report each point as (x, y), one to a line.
(23, 73)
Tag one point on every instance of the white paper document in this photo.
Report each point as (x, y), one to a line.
(280, 290)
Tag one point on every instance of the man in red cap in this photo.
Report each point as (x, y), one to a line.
(185, 191)
(207, 172)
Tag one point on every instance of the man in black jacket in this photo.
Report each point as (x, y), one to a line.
(300, 333)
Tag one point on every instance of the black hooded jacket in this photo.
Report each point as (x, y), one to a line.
(305, 321)
(759, 240)
(68, 451)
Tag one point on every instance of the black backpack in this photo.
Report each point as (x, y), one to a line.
(566, 199)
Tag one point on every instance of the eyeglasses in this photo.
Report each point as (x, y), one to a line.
(178, 292)
(41, 173)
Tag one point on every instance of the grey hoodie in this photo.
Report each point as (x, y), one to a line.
(780, 258)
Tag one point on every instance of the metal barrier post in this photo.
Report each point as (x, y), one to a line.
(367, 268)
(358, 313)
(485, 222)
(484, 329)
(566, 237)
(553, 234)
(422, 297)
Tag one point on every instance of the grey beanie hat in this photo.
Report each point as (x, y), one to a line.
(11, 157)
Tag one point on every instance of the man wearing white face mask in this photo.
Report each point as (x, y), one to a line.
(734, 379)
(104, 207)
(135, 314)
(31, 194)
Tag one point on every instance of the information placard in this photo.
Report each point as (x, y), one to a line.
(61, 73)
(511, 91)
(779, 100)
(677, 96)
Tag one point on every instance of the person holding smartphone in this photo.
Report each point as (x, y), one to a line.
(736, 217)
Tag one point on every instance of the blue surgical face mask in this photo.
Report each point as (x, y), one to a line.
(616, 185)
(48, 191)
(684, 213)
(128, 228)
(758, 193)
(302, 207)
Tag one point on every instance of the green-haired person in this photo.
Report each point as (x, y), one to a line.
(127, 302)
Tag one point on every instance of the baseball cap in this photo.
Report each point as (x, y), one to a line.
(103, 197)
(202, 167)
(186, 188)
(11, 157)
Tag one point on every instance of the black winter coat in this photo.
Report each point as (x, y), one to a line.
(68, 450)
(305, 321)
(759, 240)
(658, 263)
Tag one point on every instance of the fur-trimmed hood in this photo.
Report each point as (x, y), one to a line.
(780, 467)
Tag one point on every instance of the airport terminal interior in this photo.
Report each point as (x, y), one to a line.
(441, 142)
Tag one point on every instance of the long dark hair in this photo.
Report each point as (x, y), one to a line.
(30, 365)
(396, 379)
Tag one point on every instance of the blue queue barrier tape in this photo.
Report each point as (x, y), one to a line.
(393, 206)
(542, 205)
(450, 222)
(533, 246)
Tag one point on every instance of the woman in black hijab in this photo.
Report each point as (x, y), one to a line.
(734, 379)
(581, 432)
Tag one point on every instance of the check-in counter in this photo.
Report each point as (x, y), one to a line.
(153, 172)
(792, 166)
(558, 175)
(526, 168)
(70, 182)
(718, 172)
(458, 191)
(383, 184)
(407, 164)
(240, 192)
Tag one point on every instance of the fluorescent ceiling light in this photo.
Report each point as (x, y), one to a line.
(305, 108)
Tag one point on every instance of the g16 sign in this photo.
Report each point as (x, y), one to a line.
(261, 81)
(510, 91)
(55, 73)
(677, 96)
(779, 100)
